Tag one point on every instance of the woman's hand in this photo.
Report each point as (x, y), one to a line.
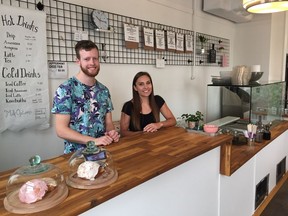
(152, 127)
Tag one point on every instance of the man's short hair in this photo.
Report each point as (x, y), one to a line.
(87, 45)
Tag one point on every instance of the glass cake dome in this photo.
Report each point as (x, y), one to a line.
(91, 168)
(35, 188)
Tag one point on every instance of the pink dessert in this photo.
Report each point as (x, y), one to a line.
(32, 191)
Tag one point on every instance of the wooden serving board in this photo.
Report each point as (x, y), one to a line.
(51, 199)
(106, 178)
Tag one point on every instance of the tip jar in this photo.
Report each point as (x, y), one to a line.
(91, 168)
(34, 188)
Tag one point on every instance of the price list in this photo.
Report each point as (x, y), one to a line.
(24, 71)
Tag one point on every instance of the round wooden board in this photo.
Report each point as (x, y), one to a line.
(51, 199)
(106, 178)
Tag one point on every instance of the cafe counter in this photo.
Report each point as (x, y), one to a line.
(168, 172)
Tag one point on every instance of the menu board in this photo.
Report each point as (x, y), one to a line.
(171, 41)
(148, 38)
(160, 40)
(24, 71)
(179, 42)
(188, 43)
(131, 34)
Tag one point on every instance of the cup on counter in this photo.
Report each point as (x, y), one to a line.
(250, 141)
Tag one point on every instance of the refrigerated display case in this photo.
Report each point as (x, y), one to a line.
(248, 102)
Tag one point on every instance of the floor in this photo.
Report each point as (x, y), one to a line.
(278, 206)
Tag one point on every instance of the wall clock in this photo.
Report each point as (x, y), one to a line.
(99, 19)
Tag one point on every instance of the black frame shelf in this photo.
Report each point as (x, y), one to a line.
(222, 47)
(66, 19)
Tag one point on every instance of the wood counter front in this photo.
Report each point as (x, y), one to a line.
(142, 157)
(137, 158)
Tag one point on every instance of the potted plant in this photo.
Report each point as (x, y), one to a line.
(202, 40)
(193, 119)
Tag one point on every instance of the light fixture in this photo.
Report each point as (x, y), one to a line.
(265, 6)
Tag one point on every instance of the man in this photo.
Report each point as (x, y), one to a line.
(82, 105)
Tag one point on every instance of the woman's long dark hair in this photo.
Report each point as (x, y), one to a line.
(137, 108)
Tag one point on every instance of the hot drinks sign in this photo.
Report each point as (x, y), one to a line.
(23, 69)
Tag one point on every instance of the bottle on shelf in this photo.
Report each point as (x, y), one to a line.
(212, 55)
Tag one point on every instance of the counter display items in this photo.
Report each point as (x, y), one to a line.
(91, 168)
(34, 188)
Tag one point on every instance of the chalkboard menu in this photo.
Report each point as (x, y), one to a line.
(24, 73)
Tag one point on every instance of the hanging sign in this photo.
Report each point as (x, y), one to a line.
(179, 43)
(131, 33)
(188, 43)
(171, 41)
(148, 38)
(24, 72)
(160, 40)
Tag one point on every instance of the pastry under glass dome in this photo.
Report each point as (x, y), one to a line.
(35, 188)
(91, 168)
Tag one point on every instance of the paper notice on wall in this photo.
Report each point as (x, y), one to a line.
(188, 43)
(131, 35)
(24, 71)
(171, 41)
(160, 40)
(57, 70)
(148, 38)
(179, 42)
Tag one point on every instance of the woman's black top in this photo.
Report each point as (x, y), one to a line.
(145, 119)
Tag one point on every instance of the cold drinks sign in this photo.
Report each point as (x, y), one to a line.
(23, 69)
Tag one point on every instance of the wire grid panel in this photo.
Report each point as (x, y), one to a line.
(64, 20)
(222, 47)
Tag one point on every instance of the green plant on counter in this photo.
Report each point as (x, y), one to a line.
(194, 120)
(198, 116)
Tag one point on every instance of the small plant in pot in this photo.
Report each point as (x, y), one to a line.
(202, 40)
(193, 120)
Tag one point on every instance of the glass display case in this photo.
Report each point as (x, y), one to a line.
(91, 168)
(248, 102)
(35, 187)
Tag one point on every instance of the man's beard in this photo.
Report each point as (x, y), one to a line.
(86, 71)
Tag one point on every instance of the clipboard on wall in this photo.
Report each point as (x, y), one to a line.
(188, 40)
(179, 43)
(159, 40)
(131, 35)
(148, 36)
(171, 41)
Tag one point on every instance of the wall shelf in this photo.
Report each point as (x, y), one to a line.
(222, 47)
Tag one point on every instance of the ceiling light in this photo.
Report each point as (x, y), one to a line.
(265, 6)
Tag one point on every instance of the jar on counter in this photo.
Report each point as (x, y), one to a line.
(259, 136)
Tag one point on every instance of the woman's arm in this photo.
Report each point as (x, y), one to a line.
(170, 119)
(168, 122)
(124, 125)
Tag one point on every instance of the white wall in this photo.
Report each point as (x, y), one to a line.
(174, 83)
(252, 44)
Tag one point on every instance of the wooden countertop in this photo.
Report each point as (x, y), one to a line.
(142, 157)
(234, 156)
(137, 158)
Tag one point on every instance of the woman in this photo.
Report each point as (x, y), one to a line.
(142, 113)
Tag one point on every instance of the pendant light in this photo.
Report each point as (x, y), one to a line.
(265, 6)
